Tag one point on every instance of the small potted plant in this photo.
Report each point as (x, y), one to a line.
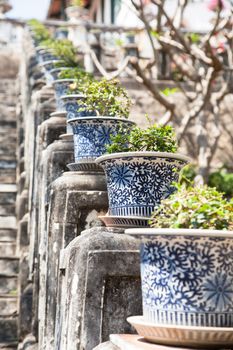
(49, 69)
(187, 266)
(77, 10)
(71, 100)
(140, 168)
(111, 104)
(66, 52)
(38, 31)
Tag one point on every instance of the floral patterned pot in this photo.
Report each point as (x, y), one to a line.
(54, 73)
(92, 134)
(187, 276)
(61, 33)
(137, 181)
(61, 87)
(44, 55)
(71, 105)
(47, 67)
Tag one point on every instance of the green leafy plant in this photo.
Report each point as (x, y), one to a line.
(64, 49)
(106, 98)
(40, 32)
(192, 207)
(188, 174)
(75, 73)
(156, 138)
(223, 181)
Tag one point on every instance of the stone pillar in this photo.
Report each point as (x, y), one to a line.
(77, 198)
(48, 131)
(100, 279)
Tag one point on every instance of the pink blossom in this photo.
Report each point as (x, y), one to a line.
(213, 4)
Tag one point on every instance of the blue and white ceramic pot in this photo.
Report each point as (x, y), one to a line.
(187, 276)
(61, 33)
(137, 181)
(71, 106)
(61, 87)
(93, 134)
(55, 72)
(44, 54)
(47, 67)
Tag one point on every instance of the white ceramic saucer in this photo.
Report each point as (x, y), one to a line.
(196, 337)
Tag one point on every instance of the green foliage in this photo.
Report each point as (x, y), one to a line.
(106, 98)
(155, 138)
(155, 34)
(75, 73)
(223, 181)
(169, 91)
(40, 32)
(194, 37)
(63, 49)
(187, 174)
(196, 208)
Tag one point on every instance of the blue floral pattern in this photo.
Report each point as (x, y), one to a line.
(136, 185)
(61, 88)
(71, 106)
(92, 135)
(185, 278)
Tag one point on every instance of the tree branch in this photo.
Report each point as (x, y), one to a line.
(151, 87)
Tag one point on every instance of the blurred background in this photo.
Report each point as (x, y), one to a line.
(28, 9)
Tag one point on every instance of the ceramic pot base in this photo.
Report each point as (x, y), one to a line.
(124, 221)
(85, 167)
(197, 337)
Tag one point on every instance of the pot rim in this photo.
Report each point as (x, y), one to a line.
(148, 233)
(78, 119)
(119, 155)
(67, 97)
(40, 47)
(58, 68)
(62, 81)
(45, 63)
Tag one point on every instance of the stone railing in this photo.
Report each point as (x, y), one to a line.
(79, 280)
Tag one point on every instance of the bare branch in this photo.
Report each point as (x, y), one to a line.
(178, 18)
(177, 33)
(147, 26)
(151, 87)
(200, 104)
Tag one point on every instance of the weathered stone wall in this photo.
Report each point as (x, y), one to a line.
(9, 265)
(60, 238)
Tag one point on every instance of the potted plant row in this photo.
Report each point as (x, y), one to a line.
(66, 52)
(187, 270)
